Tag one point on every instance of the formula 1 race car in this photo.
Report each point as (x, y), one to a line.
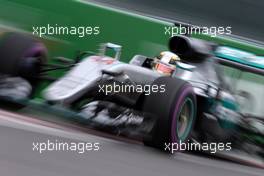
(195, 90)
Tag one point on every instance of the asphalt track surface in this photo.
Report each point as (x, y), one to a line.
(114, 158)
(244, 16)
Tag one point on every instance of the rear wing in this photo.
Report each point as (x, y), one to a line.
(239, 59)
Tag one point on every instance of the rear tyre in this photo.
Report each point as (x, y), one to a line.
(174, 110)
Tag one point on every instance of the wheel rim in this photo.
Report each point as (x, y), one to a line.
(184, 120)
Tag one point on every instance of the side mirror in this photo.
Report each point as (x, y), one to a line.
(108, 47)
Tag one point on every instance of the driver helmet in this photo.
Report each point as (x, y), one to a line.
(166, 62)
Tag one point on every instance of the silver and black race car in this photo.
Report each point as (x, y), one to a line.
(178, 95)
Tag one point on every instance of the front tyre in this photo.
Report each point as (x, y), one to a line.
(22, 56)
(174, 111)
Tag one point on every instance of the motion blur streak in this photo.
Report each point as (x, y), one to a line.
(245, 16)
(16, 153)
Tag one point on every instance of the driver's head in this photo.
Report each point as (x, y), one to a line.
(166, 62)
